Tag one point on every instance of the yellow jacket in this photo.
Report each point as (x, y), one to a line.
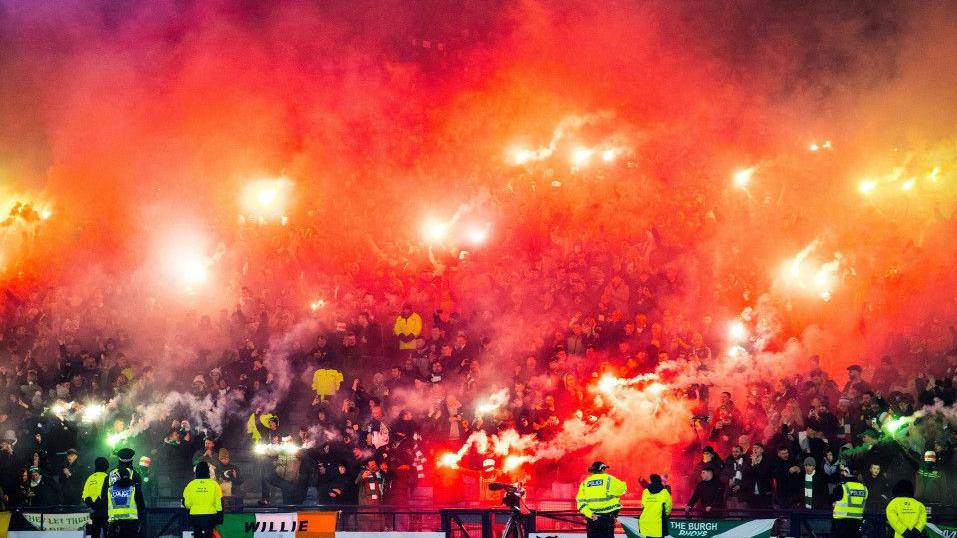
(326, 382)
(906, 513)
(408, 327)
(599, 494)
(655, 508)
(93, 488)
(203, 496)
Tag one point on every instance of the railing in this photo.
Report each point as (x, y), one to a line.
(476, 522)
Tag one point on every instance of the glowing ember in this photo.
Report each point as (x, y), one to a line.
(737, 332)
(580, 156)
(514, 462)
(494, 402)
(522, 156)
(478, 235)
(742, 178)
(608, 383)
(435, 231)
(192, 272)
(450, 460)
(266, 200)
(808, 276)
(93, 412)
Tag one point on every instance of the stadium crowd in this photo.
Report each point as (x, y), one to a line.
(357, 394)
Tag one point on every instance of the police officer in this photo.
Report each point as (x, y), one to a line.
(125, 457)
(124, 503)
(204, 499)
(905, 514)
(598, 500)
(849, 509)
(94, 499)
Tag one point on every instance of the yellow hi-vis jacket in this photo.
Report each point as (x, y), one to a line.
(655, 507)
(851, 505)
(599, 494)
(93, 488)
(905, 513)
(121, 503)
(410, 326)
(203, 496)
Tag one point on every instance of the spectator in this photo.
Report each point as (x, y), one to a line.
(43, 490)
(708, 496)
(71, 478)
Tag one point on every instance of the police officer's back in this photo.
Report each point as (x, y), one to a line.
(599, 500)
(203, 497)
(124, 505)
(849, 507)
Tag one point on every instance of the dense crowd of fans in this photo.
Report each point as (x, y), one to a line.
(352, 397)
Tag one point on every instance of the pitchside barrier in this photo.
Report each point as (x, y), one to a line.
(395, 522)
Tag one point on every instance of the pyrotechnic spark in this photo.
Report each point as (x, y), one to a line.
(608, 155)
(114, 439)
(59, 408)
(819, 279)
(435, 231)
(742, 178)
(818, 147)
(737, 331)
(45, 214)
(494, 402)
(317, 304)
(522, 155)
(478, 235)
(93, 412)
(513, 462)
(450, 459)
(608, 383)
(556, 184)
(866, 186)
(193, 272)
(581, 155)
(266, 199)
(908, 185)
(934, 174)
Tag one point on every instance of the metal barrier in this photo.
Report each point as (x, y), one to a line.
(478, 522)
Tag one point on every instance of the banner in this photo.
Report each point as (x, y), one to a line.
(707, 528)
(4, 522)
(288, 525)
(58, 522)
(941, 531)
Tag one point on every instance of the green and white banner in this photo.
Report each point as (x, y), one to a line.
(941, 531)
(707, 528)
(58, 522)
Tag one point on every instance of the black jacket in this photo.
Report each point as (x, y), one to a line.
(707, 494)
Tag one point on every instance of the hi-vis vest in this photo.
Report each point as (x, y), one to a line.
(599, 494)
(121, 505)
(851, 505)
(93, 486)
